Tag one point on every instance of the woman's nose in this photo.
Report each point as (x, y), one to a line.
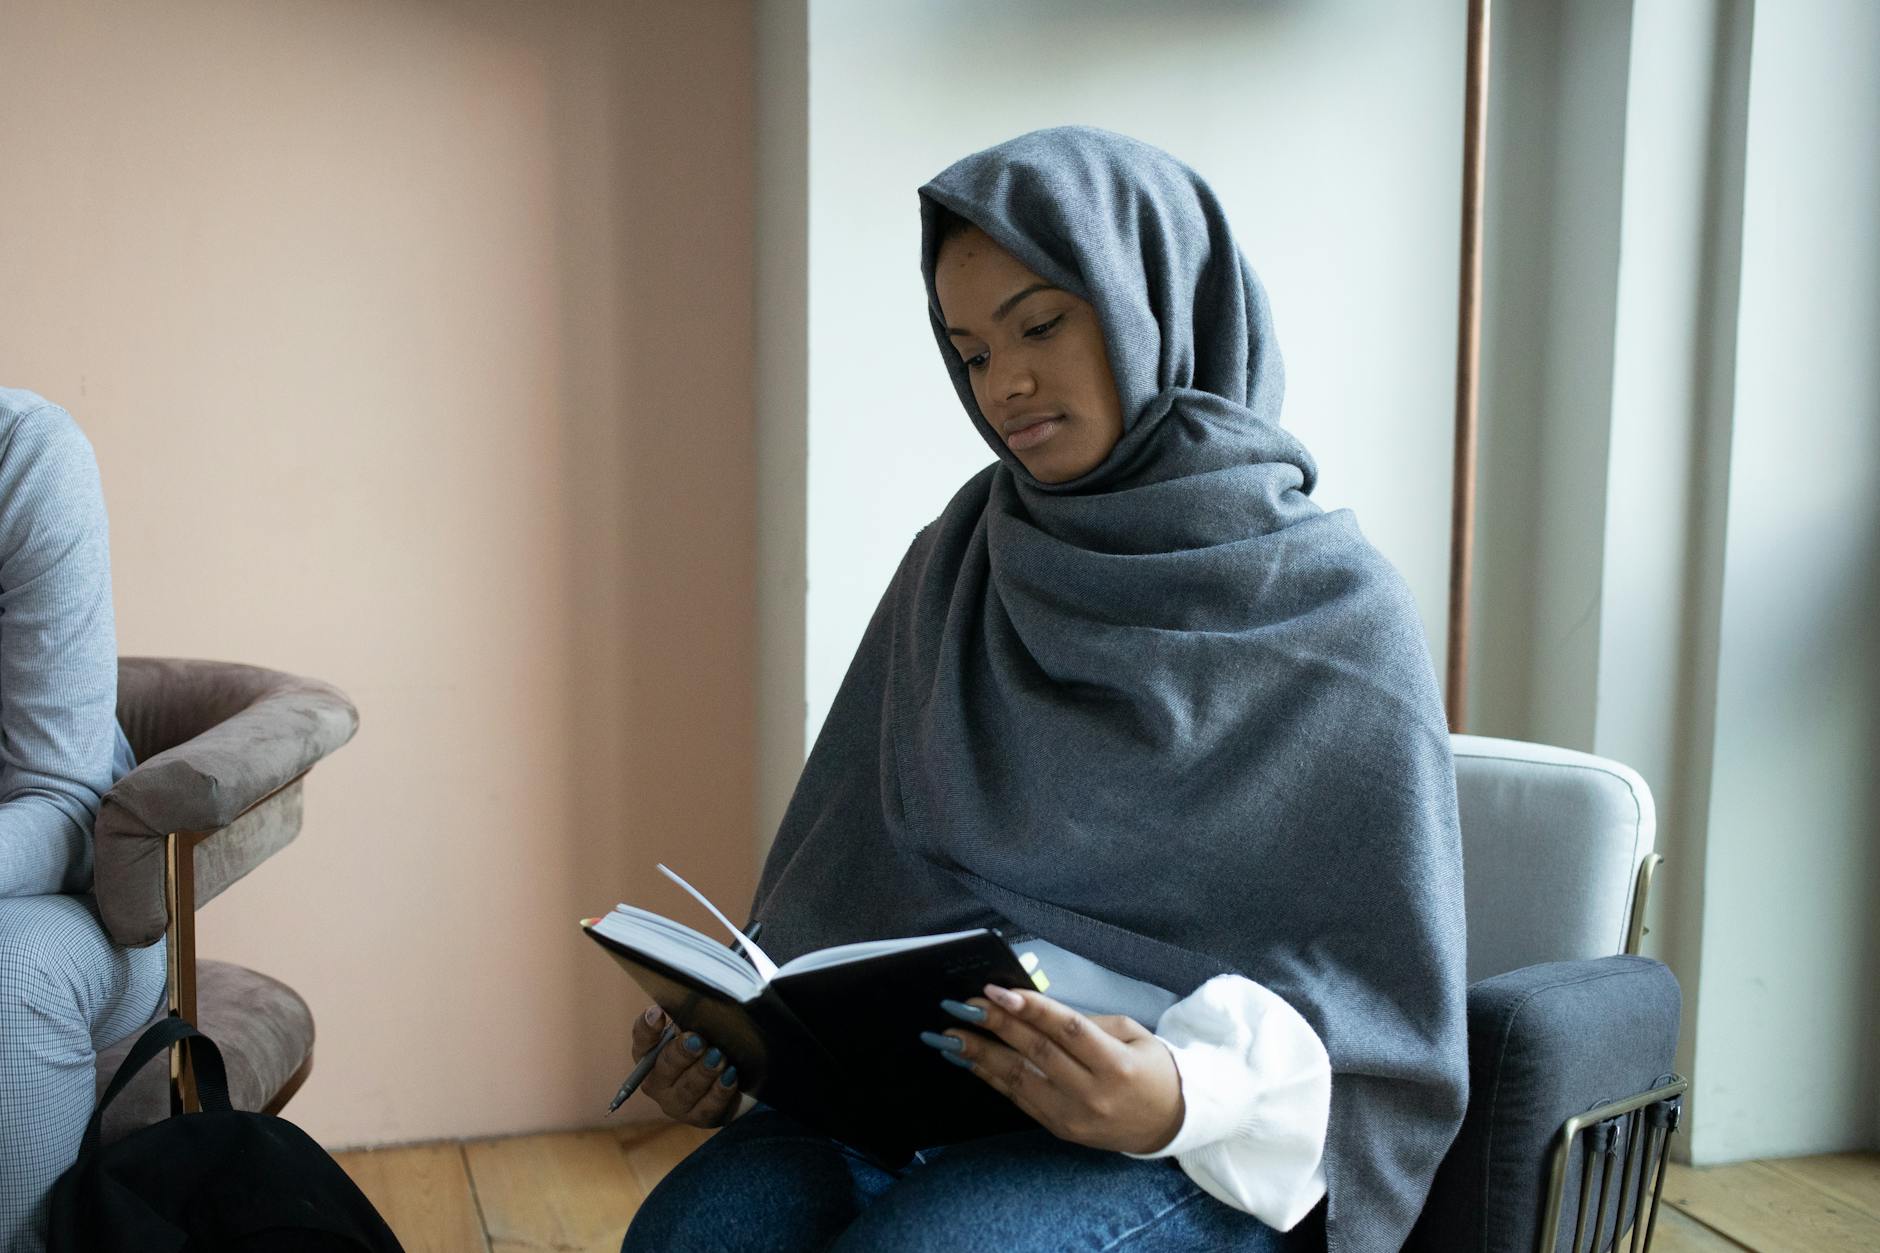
(1014, 381)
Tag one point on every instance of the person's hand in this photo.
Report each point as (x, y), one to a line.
(691, 1081)
(1106, 1081)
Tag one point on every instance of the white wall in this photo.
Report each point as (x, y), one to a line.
(1786, 1028)
(1649, 694)
(1517, 239)
(1332, 132)
(1681, 379)
(1576, 340)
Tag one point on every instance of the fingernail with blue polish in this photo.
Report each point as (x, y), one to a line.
(712, 1059)
(945, 1043)
(963, 1011)
(730, 1078)
(962, 1062)
(694, 1043)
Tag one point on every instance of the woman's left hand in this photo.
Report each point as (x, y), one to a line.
(1105, 1081)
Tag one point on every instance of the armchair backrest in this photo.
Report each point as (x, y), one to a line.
(1552, 841)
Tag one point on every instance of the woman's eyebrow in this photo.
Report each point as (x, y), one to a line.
(998, 315)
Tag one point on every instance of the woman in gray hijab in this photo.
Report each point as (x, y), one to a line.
(1135, 695)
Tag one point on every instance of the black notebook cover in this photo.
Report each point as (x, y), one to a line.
(839, 1049)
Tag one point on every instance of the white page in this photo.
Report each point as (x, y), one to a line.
(681, 948)
(842, 954)
(759, 958)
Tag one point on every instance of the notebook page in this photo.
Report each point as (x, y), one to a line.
(844, 953)
(681, 948)
(759, 958)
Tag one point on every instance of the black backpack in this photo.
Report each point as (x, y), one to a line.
(219, 1181)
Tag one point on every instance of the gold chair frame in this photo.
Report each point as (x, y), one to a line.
(179, 893)
(1639, 1168)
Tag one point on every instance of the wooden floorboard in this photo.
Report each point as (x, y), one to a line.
(572, 1192)
(1851, 1178)
(651, 1152)
(423, 1193)
(1770, 1210)
(1677, 1234)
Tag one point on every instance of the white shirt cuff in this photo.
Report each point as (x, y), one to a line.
(1257, 1089)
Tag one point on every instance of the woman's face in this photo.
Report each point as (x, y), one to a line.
(1035, 355)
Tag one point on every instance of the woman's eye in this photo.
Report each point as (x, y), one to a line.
(1037, 332)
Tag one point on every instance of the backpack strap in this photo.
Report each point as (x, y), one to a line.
(211, 1074)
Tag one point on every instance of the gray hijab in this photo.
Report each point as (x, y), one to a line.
(1171, 715)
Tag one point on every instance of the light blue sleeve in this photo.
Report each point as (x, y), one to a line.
(60, 746)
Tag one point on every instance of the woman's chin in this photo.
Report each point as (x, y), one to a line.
(1056, 465)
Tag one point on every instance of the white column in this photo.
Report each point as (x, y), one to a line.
(1786, 1027)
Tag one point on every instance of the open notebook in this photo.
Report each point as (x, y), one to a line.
(830, 1037)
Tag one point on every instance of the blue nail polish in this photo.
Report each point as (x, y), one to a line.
(693, 1043)
(963, 1011)
(945, 1043)
(962, 1062)
(712, 1059)
(730, 1078)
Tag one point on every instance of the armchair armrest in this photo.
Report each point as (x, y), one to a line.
(1546, 1042)
(227, 745)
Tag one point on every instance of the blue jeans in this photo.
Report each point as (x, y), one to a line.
(766, 1182)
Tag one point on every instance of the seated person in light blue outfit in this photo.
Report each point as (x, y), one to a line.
(1133, 695)
(66, 990)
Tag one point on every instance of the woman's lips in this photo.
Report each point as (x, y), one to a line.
(1033, 435)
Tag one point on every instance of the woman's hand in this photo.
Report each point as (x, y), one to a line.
(1106, 1082)
(691, 1081)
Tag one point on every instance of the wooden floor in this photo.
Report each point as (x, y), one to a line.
(574, 1192)
(1799, 1204)
(571, 1192)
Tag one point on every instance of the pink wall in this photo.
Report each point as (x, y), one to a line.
(415, 341)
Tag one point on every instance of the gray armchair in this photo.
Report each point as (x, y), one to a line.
(1572, 1035)
(222, 751)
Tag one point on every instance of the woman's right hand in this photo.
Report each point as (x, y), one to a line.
(691, 1081)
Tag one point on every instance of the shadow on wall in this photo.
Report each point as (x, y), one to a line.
(1870, 984)
(652, 111)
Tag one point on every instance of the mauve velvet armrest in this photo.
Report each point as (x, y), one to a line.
(214, 740)
(1545, 1042)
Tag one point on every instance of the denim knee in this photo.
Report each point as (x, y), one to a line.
(759, 1185)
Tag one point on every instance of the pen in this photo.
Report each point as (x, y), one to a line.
(750, 935)
(632, 1082)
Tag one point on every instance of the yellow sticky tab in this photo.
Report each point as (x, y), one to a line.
(1030, 962)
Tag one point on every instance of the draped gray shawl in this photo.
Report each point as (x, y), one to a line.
(1170, 715)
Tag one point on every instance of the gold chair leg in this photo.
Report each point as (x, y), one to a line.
(179, 875)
